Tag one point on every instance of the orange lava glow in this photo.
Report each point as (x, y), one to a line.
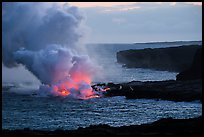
(61, 91)
(79, 77)
(65, 92)
(106, 89)
(74, 84)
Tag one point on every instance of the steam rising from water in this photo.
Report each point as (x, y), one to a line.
(45, 38)
(54, 63)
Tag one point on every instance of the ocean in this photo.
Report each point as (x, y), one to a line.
(51, 113)
(20, 109)
(105, 56)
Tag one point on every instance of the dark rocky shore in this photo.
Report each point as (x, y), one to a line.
(186, 87)
(166, 126)
(195, 70)
(166, 90)
(171, 59)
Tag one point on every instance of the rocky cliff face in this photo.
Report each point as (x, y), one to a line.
(171, 59)
(195, 70)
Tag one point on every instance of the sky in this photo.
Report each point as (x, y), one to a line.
(130, 22)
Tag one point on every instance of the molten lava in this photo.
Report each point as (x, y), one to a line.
(65, 92)
(105, 89)
(77, 86)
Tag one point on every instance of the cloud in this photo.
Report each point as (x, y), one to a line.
(125, 4)
(100, 4)
(118, 9)
(107, 6)
(152, 21)
(173, 3)
(192, 3)
(195, 3)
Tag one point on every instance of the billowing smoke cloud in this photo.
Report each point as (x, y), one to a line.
(55, 63)
(34, 26)
(45, 38)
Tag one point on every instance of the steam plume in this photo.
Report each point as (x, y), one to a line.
(45, 38)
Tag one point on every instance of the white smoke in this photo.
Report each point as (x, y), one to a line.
(54, 63)
(45, 38)
(33, 26)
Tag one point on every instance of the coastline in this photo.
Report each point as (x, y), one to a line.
(165, 126)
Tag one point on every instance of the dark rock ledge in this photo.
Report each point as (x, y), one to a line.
(166, 126)
(166, 90)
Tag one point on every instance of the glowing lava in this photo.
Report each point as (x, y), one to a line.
(63, 92)
(76, 86)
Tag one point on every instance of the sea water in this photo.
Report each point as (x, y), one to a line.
(20, 109)
(50, 113)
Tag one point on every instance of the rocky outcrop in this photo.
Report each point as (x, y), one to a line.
(167, 126)
(195, 71)
(171, 59)
(166, 90)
